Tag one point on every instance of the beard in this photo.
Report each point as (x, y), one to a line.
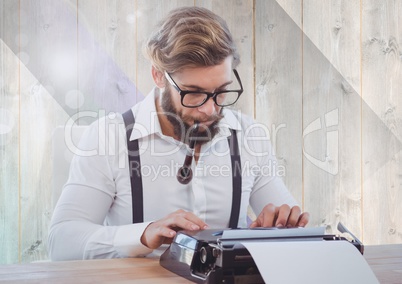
(183, 124)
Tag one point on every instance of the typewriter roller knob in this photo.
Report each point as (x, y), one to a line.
(206, 255)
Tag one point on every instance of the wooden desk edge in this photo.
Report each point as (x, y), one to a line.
(384, 260)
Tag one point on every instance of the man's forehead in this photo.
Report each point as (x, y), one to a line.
(205, 76)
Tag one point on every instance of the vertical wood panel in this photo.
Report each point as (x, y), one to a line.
(299, 79)
(331, 77)
(235, 12)
(278, 44)
(382, 120)
(293, 9)
(106, 55)
(9, 133)
(149, 13)
(43, 24)
(111, 26)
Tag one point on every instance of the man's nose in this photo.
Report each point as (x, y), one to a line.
(209, 107)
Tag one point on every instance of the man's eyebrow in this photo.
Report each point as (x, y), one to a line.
(202, 89)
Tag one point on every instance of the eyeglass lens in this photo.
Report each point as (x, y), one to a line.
(221, 99)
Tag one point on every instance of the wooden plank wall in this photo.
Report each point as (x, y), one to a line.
(323, 76)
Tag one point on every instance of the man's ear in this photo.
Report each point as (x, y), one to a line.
(158, 77)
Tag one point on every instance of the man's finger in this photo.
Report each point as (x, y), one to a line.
(155, 234)
(195, 220)
(283, 213)
(185, 220)
(303, 219)
(254, 224)
(293, 218)
(267, 216)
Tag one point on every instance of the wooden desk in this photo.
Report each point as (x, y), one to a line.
(385, 260)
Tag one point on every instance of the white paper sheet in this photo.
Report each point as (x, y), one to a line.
(310, 262)
(271, 233)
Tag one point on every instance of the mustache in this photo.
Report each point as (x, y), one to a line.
(214, 117)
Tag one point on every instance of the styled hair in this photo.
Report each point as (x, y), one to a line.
(190, 37)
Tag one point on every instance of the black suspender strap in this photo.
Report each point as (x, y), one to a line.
(136, 179)
(134, 164)
(236, 179)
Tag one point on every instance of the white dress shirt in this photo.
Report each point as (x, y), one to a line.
(93, 217)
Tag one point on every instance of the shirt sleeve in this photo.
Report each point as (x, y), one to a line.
(77, 229)
(268, 185)
(270, 190)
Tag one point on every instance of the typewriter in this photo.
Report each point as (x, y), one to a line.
(217, 256)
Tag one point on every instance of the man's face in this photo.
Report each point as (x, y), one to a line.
(208, 115)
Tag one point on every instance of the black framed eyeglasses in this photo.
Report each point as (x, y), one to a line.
(193, 99)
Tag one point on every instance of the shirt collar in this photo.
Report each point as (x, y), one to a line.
(147, 122)
(146, 118)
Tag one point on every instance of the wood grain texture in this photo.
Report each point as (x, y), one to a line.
(40, 114)
(107, 55)
(9, 134)
(382, 125)
(332, 113)
(385, 261)
(334, 63)
(278, 84)
(294, 10)
(128, 270)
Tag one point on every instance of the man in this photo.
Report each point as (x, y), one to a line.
(193, 66)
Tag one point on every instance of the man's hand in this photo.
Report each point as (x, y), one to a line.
(162, 231)
(282, 216)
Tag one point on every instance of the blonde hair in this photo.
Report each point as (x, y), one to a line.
(190, 37)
